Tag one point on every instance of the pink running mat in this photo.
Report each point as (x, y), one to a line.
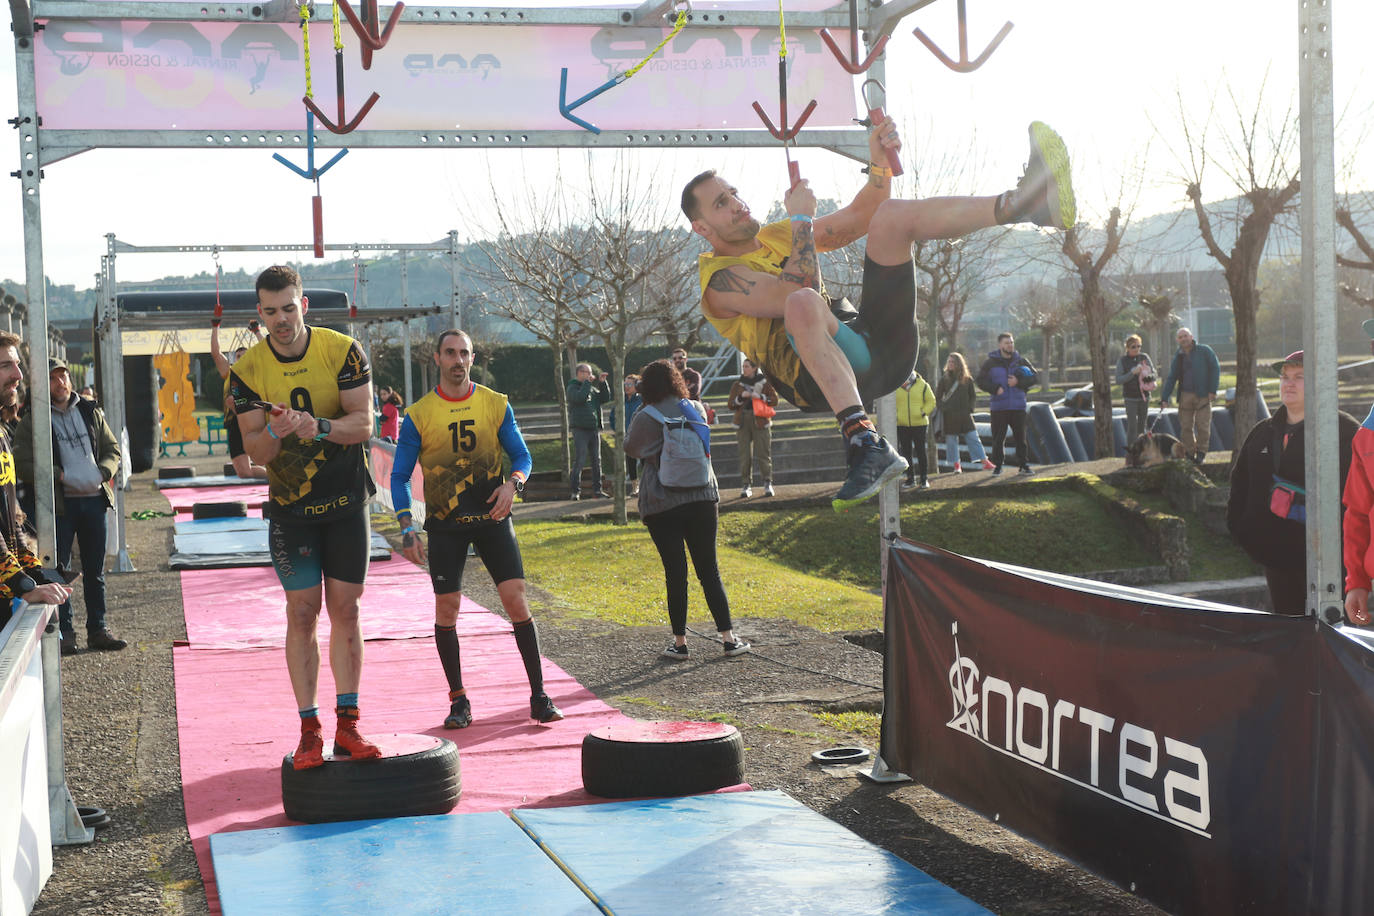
(243, 608)
(237, 721)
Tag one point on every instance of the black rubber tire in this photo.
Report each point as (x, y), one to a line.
(407, 785)
(219, 510)
(93, 817)
(175, 471)
(649, 769)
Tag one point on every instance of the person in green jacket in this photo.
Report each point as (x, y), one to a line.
(585, 397)
(915, 404)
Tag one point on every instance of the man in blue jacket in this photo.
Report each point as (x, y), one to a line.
(1007, 376)
(1197, 373)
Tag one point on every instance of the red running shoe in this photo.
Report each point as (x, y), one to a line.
(347, 741)
(310, 752)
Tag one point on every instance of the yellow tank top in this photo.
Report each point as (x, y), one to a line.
(460, 455)
(763, 340)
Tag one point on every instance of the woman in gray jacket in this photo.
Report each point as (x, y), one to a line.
(678, 516)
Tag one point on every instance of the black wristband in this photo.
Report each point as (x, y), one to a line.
(20, 584)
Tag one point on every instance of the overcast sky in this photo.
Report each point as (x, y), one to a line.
(1106, 75)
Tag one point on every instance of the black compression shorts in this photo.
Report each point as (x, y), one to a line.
(887, 322)
(495, 544)
(303, 554)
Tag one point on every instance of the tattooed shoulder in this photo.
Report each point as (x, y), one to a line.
(726, 281)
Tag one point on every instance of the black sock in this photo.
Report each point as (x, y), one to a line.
(854, 422)
(527, 639)
(1000, 214)
(446, 641)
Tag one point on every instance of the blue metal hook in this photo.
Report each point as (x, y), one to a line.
(310, 173)
(566, 110)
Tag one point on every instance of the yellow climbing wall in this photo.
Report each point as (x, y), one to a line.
(176, 399)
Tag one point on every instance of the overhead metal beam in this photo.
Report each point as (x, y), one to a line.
(175, 321)
(118, 247)
(57, 145)
(22, 17)
(429, 15)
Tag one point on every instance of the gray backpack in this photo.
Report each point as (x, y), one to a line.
(684, 462)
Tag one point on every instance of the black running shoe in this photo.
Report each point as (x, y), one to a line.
(1044, 195)
(459, 713)
(543, 710)
(872, 462)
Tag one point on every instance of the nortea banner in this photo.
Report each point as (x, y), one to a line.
(128, 75)
(1210, 760)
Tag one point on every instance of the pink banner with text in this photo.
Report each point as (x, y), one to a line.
(126, 75)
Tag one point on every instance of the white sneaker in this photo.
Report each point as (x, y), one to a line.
(746, 493)
(768, 489)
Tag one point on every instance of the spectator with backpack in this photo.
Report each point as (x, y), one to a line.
(1007, 376)
(678, 498)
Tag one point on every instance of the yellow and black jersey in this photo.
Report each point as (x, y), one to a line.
(20, 570)
(763, 340)
(460, 444)
(309, 480)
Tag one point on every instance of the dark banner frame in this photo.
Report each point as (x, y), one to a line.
(1209, 759)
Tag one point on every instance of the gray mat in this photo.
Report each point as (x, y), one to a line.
(234, 549)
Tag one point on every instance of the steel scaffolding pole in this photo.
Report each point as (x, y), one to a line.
(1321, 453)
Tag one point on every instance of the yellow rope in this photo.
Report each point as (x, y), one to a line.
(305, 46)
(338, 36)
(782, 32)
(677, 27)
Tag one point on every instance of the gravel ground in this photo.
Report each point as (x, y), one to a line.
(121, 742)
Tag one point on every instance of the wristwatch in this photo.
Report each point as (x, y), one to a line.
(519, 485)
(323, 426)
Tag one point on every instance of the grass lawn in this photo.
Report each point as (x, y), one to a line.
(813, 566)
(613, 573)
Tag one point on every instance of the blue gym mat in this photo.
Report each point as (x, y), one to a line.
(216, 480)
(735, 852)
(196, 526)
(471, 863)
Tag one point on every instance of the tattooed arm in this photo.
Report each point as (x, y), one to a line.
(737, 290)
(850, 223)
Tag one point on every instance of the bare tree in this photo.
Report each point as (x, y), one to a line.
(1158, 305)
(1259, 158)
(1097, 310)
(1039, 307)
(530, 279)
(618, 257)
(1351, 290)
(673, 293)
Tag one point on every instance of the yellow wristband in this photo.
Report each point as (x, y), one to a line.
(881, 171)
